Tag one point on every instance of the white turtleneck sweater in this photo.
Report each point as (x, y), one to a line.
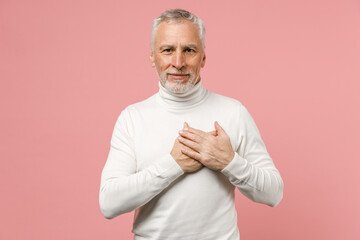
(141, 175)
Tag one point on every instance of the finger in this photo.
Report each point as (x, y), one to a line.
(214, 133)
(219, 129)
(186, 126)
(189, 143)
(192, 154)
(190, 136)
(196, 131)
(184, 146)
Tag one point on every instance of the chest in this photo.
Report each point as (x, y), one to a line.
(156, 131)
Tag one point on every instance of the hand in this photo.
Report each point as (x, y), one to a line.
(212, 149)
(186, 163)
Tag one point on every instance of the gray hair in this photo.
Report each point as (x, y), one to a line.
(177, 15)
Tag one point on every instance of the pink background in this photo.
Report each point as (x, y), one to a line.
(68, 68)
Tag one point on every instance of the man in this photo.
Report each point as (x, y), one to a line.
(176, 157)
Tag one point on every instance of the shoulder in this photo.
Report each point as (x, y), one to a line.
(230, 105)
(224, 101)
(130, 115)
(143, 105)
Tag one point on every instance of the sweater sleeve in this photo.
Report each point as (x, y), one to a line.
(122, 187)
(252, 170)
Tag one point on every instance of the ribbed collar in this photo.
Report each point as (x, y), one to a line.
(182, 101)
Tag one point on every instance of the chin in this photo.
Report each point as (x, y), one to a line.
(178, 87)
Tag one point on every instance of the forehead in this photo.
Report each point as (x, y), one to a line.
(183, 32)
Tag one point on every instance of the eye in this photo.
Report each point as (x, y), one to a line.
(167, 50)
(189, 50)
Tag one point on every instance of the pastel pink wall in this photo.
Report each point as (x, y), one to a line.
(68, 68)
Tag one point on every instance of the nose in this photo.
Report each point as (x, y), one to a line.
(178, 60)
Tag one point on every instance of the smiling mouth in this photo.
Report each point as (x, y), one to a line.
(177, 76)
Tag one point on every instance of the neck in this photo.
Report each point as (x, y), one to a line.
(182, 101)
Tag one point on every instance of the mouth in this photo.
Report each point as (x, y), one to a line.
(177, 76)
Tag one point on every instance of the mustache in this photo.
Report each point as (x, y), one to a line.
(178, 72)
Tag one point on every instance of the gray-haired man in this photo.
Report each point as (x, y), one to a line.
(177, 156)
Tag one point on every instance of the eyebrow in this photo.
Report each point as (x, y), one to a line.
(191, 46)
(166, 46)
(194, 46)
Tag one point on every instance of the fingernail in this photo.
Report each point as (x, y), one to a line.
(181, 131)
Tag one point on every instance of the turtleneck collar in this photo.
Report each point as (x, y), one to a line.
(182, 101)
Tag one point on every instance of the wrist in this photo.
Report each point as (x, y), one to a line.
(228, 159)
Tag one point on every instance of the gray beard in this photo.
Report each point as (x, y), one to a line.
(177, 86)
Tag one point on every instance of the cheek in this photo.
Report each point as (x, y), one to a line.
(195, 64)
(196, 67)
(162, 64)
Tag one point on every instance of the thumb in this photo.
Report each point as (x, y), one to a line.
(214, 133)
(186, 126)
(219, 129)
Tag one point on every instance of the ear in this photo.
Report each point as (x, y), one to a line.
(152, 58)
(203, 60)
